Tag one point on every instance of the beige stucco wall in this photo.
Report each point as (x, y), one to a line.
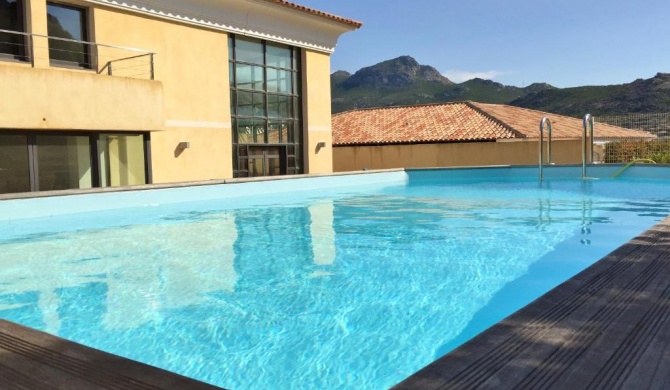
(452, 155)
(189, 100)
(54, 99)
(192, 65)
(316, 112)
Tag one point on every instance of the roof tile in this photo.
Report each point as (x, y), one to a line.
(454, 122)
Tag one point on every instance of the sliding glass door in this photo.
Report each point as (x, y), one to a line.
(14, 164)
(41, 161)
(63, 162)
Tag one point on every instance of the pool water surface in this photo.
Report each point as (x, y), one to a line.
(356, 288)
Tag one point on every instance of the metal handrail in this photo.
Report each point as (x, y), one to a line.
(107, 65)
(544, 122)
(76, 41)
(588, 122)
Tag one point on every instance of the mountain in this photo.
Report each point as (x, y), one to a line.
(403, 81)
(650, 95)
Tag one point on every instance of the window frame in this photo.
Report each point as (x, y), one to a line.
(94, 147)
(86, 32)
(23, 54)
(291, 149)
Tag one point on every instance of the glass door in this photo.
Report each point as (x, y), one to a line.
(14, 164)
(266, 161)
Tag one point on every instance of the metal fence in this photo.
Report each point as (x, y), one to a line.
(70, 53)
(625, 150)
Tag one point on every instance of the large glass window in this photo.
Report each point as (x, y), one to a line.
(11, 18)
(122, 160)
(265, 100)
(14, 164)
(69, 23)
(44, 161)
(63, 162)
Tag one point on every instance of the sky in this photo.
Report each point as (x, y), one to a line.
(566, 43)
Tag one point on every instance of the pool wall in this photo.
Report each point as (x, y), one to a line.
(39, 205)
(61, 203)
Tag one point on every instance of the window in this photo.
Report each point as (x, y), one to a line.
(265, 101)
(11, 18)
(44, 161)
(67, 23)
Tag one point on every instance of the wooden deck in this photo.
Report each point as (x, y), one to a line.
(606, 328)
(32, 360)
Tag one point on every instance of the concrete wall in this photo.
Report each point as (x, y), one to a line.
(452, 155)
(188, 101)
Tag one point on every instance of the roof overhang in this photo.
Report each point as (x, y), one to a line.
(273, 21)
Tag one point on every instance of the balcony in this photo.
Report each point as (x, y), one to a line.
(65, 84)
(69, 53)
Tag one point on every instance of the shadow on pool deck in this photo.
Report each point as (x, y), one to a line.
(606, 328)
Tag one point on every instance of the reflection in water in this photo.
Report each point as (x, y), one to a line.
(323, 233)
(145, 268)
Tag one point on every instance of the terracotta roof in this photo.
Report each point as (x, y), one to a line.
(302, 8)
(457, 122)
(414, 124)
(527, 122)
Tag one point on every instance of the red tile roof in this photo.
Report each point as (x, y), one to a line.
(414, 124)
(456, 122)
(527, 122)
(302, 8)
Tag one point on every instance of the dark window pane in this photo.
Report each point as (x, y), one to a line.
(249, 50)
(291, 135)
(242, 150)
(259, 132)
(279, 81)
(235, 159)
(231, 74)
(233, 104)
(64, 162)
(278, 56)
(291, 150)
(244, 131)
(14, 165)
(259, 104)
(274, 129)
(250, 104)
(68, 23)
(291, 161)
(11, 18)
(279, 106)
(249, 77)
(231, 56)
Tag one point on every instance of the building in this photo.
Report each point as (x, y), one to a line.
(100, 93)
(457, 134)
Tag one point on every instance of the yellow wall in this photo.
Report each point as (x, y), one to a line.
(192, 64)
(452, 155)
(53, 99)
(187, 102)
(316, 112)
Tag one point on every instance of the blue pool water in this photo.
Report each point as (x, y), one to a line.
(354, 288)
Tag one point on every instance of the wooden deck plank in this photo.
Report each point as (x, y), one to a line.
(35, 360)
(606, 328)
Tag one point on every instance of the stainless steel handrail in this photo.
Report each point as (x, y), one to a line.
(588, 122)
(544, 122)
(30, 46)
(76, 41)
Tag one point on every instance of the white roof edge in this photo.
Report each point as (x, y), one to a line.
(313, 33)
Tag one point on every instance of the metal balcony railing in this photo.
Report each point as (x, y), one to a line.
(70, 53)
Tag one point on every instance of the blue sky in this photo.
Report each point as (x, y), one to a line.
(566, 43)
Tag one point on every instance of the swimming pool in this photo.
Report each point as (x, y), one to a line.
(270, 285)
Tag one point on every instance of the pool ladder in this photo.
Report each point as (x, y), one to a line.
(544, 122)
(586, 144)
